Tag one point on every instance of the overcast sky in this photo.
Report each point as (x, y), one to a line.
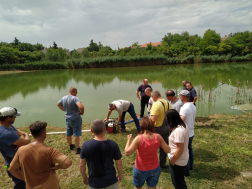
(117, 23)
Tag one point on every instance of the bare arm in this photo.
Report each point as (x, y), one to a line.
(163, 144)
(83, 171)
(109, 113)
(60, 106)
(194, 99)
(130, 149)
(183, 117)
(137, 94)
(67, 163)
(178, 152)
(119, 119)
(23, 140)
(81, 107)
(119, 168)
(153, 118)
(14, 169)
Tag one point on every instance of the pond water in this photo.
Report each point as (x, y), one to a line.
(35, 94)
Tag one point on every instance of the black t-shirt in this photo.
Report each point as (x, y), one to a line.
(142, 88)
(100, 156)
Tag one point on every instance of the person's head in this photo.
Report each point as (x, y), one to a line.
(145, 82)
(184, 96)
(8, 115)
(170, 95)
(189, 85)
(146, 125)
(148, 91)
(184, 83)
(98, 127)
(73, 91)
(111, 106)
(38, 129)
(174, 119)
(155, 95)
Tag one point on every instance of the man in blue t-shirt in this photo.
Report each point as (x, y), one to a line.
(144, 98)
(99, 154)
(73, 109)
(193, 93)
(11, 139)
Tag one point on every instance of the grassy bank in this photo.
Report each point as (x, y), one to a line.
(222, 150)
(124, 61)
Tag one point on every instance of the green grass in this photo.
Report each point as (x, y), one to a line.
(222, 151)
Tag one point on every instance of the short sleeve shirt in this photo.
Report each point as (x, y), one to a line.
(8, 136)
(189, 111)
(150, 103)
(177, 105)
(193, 94)
(70, 107)
(142, 88)
(99, 156)
(121, 106)
(35, 161)
(179, 135)
(159, 109)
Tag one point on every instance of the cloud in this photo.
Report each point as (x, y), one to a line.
(72, 24)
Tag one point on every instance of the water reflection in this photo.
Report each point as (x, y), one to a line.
(36, 93)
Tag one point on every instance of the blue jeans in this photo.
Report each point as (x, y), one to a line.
(190, 160)
(132, 112)
(73, 126)
(151, 177)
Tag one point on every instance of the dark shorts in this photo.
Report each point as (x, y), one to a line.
(151, 177)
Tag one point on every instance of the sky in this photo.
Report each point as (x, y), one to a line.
(117, 23)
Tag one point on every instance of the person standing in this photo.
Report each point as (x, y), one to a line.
(10, 140)
(73, 109)
(175, 102)
(184, 84)
(193, 93)
(144, 98)
(146, 166)
(158, 110)
(151, 101)
(98, 154)
(37, 161)
(178, 142)
(187, 114)
(122, 107)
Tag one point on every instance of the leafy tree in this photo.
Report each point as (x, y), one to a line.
(16, 41)
(55, 46)
(85, 53)
(209, 40)
(93, 46)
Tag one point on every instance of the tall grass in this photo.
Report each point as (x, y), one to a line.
(122, 61)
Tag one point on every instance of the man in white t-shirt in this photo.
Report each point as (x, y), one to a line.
(151, 101)
(122, 107)
(187, 114)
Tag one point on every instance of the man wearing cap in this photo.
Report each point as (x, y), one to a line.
(122, 107)
(11, 139)
(176, 103)
(73, 109)
(187, 114)
(144, 98)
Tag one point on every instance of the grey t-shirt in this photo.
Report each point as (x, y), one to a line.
(177, 105)
(70, 107)
(121, 106)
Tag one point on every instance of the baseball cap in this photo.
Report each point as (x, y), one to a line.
(184, 93)
(9, 111)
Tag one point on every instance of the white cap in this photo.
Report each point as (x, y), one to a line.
(9, 111)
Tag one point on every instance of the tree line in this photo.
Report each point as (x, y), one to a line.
(174, 46)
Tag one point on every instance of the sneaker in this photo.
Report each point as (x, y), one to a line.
(187, 175)
(78, 150)
(123, 130)
(72, 146)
